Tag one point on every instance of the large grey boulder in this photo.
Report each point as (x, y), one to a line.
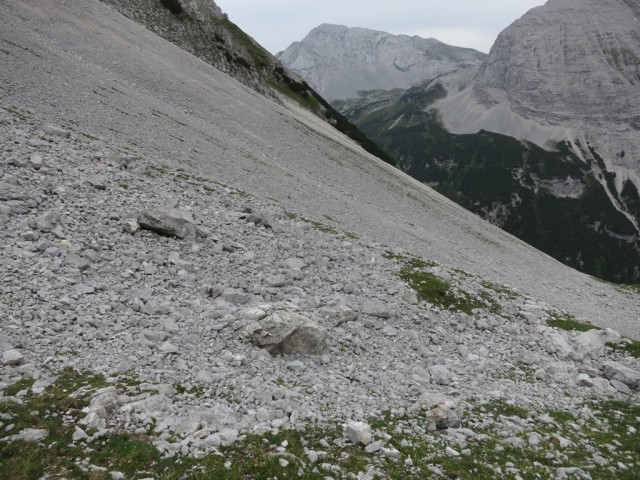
(10, 191)
(595, 340)
(172, 222)
(287, 331)
(359, 432)
(12, 357)
(621, 373)
(439, 410)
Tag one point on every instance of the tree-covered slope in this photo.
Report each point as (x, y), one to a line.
(549, 198)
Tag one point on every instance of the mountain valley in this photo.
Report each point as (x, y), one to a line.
(556, 168)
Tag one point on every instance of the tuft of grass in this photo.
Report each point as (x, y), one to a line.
(565, 321)
(12, 390)
(439, 292)
(501, 290)
(502, 408)
(631, 348)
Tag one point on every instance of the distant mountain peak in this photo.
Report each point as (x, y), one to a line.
(340, 61)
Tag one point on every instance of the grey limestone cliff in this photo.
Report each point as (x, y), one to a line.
(338, 61)
(568, 70)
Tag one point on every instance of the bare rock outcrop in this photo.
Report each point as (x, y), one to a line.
(338, 61)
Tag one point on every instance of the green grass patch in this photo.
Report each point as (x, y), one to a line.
(439, 292)
(566, 321)
(632, 348)
(502, 408)
(611, 430)
(501, 290)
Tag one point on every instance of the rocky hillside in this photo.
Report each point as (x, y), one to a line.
(201, 28)
(200, 282)
(338, 61)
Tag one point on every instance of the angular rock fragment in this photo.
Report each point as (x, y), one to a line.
(376, 308)
(440, 411)
(9, 191)
(594, 340)
(130, 226)
(287, 331)
(236, 296)
(172, 222)
(12, 357)
(442, 417)
(29, 435)
(358, 432)
(622, 373)
(263, 218)
(48, 221)
(55, 131)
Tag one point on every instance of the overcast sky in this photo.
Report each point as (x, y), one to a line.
(275, 24)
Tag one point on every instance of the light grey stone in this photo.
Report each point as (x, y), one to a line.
(172, 222)
(288, 331)
(79, 434)
(48, 221)
(33, 435)
(36, 160)
(376, 308)
(168, 347)
(595, 340)
(12, 357)
(55, 131)
(236, 296)
(358, 432)
(443, 417)
(374, 447)
(130, 225)
(391, 453)
(620, 372)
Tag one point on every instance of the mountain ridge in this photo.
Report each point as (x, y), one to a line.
(339, 61)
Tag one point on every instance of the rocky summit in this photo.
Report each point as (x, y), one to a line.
(566, 71)
(339, 61)
(200, 282)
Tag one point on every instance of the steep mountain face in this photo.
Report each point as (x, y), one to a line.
(201, 28)
(541, 140)
(338, 61)
(569, 70)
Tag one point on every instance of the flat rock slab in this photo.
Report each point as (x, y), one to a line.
(171, 222)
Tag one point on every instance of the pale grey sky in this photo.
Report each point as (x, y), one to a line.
(275, 24)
